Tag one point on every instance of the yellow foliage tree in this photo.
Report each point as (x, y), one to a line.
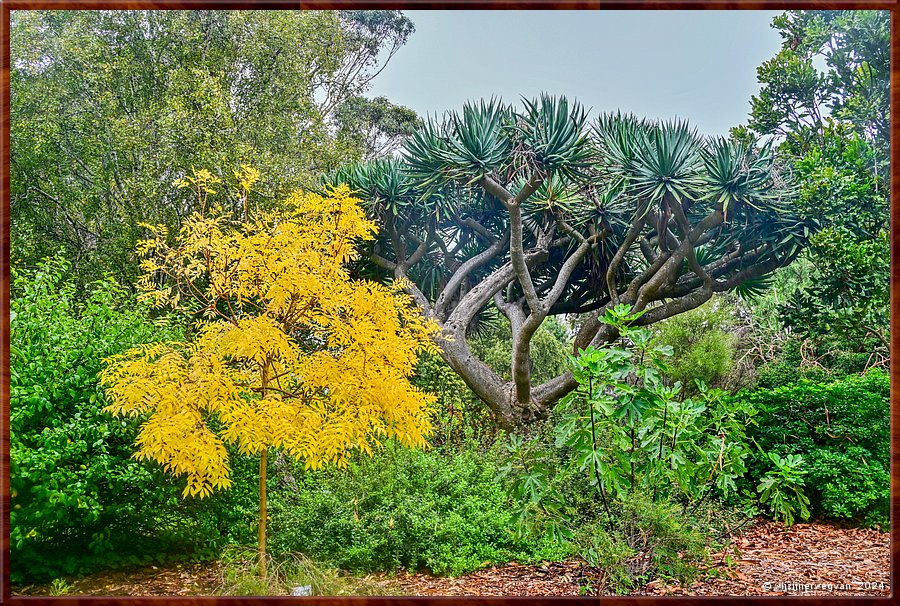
(289, 352)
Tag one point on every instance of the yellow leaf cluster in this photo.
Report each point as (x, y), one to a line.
(292, 353)
(247, 177)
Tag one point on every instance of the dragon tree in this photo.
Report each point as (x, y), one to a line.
(538, 212)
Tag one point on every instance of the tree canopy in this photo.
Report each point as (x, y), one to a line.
(536, 211)
(833, 124)
(109, 108)
(797, 97)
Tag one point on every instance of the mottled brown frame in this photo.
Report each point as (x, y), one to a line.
(7, 5)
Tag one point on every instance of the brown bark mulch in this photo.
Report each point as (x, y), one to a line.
(806, 559)
(768, 559)
(549, 579)
(169, 580)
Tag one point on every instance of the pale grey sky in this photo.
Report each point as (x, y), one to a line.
(698, 65)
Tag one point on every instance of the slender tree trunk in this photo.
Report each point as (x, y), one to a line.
(262, 514)
(599, 479)
(631, 454)
(263, 511)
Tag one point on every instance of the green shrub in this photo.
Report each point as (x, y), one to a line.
(819, 362)
(784, 373)
(651, 540)
(78, 499)
(842, 431)
(703, 348)
(420, 510)
(460, 417)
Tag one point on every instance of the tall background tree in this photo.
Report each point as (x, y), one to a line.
(825, 95)
(109, 108)
(534, 213)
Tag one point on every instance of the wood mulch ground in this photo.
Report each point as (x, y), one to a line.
(768, 559)
(806, 559)
(169, 580)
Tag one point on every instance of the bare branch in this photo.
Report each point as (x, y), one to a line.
(422, 248)
(676, 306)
(478, 228)
(513, 311)
(565, 272)
(647, 250)
(464, 270)
(382, 262)
(521, 349)
(531, 186)
(496, 190)
(648, 290)
(517, 255)
(754, 271)
(571, 231)
(685, 227)
(483, 292)
(633, 232)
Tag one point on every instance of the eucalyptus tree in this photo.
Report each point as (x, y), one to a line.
(109, 108)
(376, 126)
(537, 212)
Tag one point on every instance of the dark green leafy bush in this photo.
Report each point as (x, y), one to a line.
(842, 431)
(79, 501)
(819, 361)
